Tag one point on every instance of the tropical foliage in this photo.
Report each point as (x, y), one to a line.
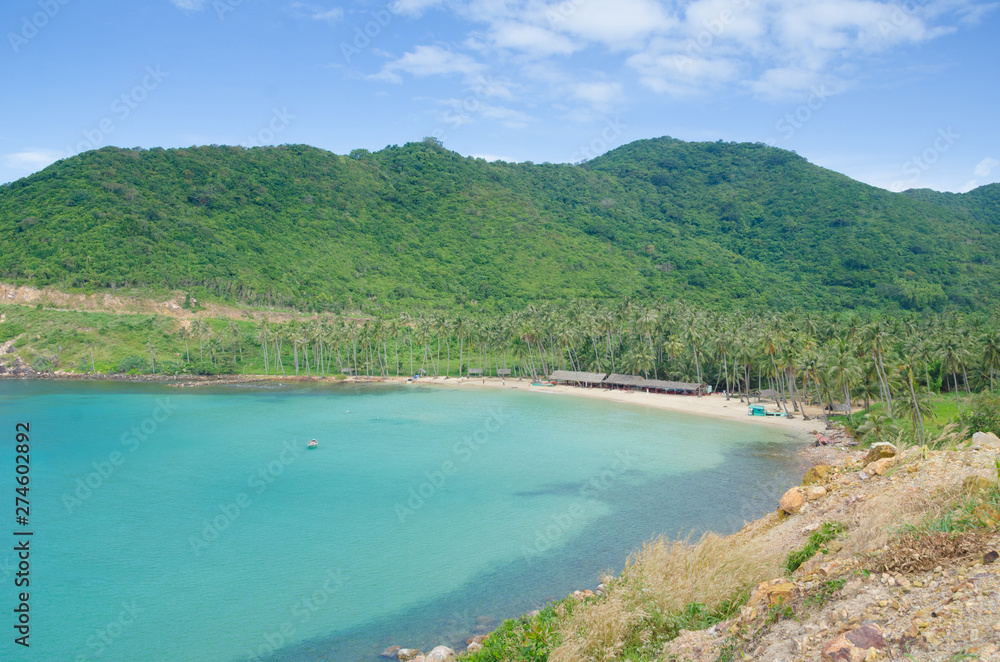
(419, 228)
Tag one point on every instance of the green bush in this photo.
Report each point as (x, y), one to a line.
(982, 415)
(133, 365)
(42, 364)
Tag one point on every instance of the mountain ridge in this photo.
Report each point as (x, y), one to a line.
(418, 226)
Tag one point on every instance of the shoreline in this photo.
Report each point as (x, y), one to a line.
(714, 405)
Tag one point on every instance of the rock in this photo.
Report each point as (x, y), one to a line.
(855, 645)
(774, 591)
(474, 647)
(390, 651)
(792, 501)
(440, 654)
(987, 439)
(987, 515)
(814, 492)
(405, 654)
(817, 474)
(878, 451)
(990, 557)
(880, 466)
(478, 639)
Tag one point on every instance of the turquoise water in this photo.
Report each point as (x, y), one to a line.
(177, 524)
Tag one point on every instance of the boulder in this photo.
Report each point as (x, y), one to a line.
(474, 647)
(406, 654)
(817, 474)
(855, 645)
(814, 492)
(878, 451)
(792, 501)
(390, 651)
(880, 466)
(478, 639)
(985, 440)
(440, 654)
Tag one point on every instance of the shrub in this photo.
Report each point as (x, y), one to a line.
(133, 365)
(983, 414)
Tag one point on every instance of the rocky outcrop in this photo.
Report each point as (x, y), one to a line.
(878, 451)
(817, 474)
(440, 654)
(857, 645)
(792, 501)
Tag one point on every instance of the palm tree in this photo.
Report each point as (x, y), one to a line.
(843, 368)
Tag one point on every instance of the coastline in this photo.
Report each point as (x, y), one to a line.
(715, 405)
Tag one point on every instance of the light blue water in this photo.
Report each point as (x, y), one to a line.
(176, 524)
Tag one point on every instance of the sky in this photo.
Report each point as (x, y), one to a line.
(895, 94)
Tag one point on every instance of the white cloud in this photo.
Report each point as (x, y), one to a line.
(22, 164)
(413, 7)
(188, 5)
(429, 61)
(614, 23)
(532, 39)
(316, 12)
(985, 167)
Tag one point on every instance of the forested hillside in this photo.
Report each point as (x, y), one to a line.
(420, 227)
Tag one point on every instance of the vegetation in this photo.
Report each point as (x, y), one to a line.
(816, 543)
(419, 228)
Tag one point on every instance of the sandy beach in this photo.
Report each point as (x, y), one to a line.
(714, 405)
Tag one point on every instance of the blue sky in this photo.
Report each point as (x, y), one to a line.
(895, 94)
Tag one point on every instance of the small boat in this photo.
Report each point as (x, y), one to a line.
(312, 444)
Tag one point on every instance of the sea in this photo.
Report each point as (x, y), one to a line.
(167, 524)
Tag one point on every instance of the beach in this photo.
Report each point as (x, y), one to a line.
(715, 405)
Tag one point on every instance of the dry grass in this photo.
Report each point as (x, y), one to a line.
(663, 577)
(920, 551)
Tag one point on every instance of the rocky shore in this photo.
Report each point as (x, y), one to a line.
(907, 569)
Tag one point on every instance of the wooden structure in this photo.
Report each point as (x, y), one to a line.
(662, 386)
(503, 372)
(576, 378)
(627, 382)
(474, 372)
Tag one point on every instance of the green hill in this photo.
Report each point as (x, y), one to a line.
(418, 227)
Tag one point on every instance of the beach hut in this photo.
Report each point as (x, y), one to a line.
(577, 378)
(663, 386)
(503, 372)
(624, 382)
(474, 372)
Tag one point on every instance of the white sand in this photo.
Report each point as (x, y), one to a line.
(709, 405)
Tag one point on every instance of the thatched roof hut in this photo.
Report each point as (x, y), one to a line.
(616, 379)
(576, 377)
(671, 387)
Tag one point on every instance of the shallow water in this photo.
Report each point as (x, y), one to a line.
(176, 524)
